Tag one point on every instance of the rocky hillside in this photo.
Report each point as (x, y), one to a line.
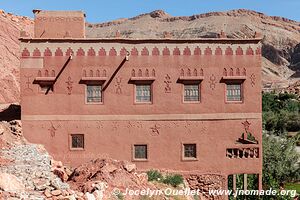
(281, 35)
(10, 26)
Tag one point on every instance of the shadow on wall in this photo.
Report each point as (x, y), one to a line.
(13, 112)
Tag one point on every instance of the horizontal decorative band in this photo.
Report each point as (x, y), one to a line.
(156, 117)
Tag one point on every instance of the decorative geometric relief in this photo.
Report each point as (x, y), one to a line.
(155, 51)
(47, 52)
(224, 72)
(146, 73)
(46, 73)
(123, 52)
(28, 83)
(91, 52)
(166, 51)
(134, 52)
(25, 53)
(208, 51)
(187, 51)
(197, 51)
(52, 130)
(231, 72)
(58, 52)
(39, 73)
(69, 85)
(252, 79)
(237, 72)
(176, 51)
(239, 51)
(228, 51)
(195, 72)
(145, 52)
(212, 81)
(102, 52)
(69, 52)
(155, 130)
(247, 137)
(201, 73)
(112, 52)
(97, 73)
(133, 73)
(249, 51)
(36, 52)
(242, 152)
(53, 73)
(258, 51)
(118, 85)
(181, 72)
(246, 125)
(218, 51)
(140, 74)
(244, 72)
(153, 73)
(189, 72)
(80, 52)
(84, 73)
(167, 82)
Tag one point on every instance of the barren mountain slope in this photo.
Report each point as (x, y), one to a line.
(10, 27)
(280, 34)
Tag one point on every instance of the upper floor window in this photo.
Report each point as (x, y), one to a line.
(191, 93)
(143, 93)
(234, 92)
(93, 93)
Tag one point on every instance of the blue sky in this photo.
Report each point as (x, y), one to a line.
(101, 11)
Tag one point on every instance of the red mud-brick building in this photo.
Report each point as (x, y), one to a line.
(188, 105)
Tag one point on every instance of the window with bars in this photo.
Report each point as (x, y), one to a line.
(143, 93)
(190, 151)
(93, 93)
(77, 141)
(233, 92)
(191, 92)
(140, 152)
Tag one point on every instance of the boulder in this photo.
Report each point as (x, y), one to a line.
(89, 196)
(56, 192)
(130, 167)
(11, 183)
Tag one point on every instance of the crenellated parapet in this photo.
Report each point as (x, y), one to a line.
(136, 48)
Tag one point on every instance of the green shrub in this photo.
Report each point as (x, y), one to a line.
(174, 180)
(154, 175)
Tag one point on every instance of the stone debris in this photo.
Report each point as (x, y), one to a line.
(27, 171)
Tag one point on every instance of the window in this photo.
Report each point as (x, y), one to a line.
(189, 151)
(143, 93)
(93, 93)
(233, 92)
(191, 92)
(140, 152)
(77, 141)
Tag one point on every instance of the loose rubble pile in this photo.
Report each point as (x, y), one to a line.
(27, 171)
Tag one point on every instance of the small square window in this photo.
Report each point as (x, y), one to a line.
(94, 93)
(233, 92)
(143, 93)
(77, 141)
(190, 151)
(140, 152)
(191, 92)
